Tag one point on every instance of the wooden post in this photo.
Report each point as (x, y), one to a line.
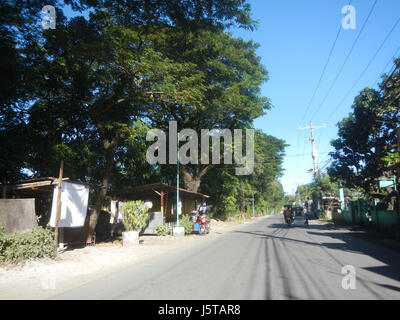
(4, 192)
(162, 201)
(166, 208)
(58, 208)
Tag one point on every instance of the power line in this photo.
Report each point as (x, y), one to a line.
(365, 69)
(392, 71)
(323, 71)
(390, 76)
(317, 87)
(383, 70)
(346, 59)
(326, 158)
(305, 154)
(326, 164)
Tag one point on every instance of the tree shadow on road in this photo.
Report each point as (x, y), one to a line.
(329, 236)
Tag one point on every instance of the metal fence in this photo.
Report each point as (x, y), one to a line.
(362, 213)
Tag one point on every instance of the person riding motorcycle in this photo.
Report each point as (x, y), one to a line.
(287, 213)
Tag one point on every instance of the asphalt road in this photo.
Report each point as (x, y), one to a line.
(261, 260)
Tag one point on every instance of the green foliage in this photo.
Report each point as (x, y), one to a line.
(163, 230)
(366, 145)
(99, 74)
(135, 215)
(1, 229)
(321, 214)
(323, 183)
(232, 195)
(327, 186)
(87, 83)
(227, 206)
(19, 246)
(185, 222)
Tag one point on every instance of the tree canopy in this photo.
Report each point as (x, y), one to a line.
(88, 90)
(366, 147)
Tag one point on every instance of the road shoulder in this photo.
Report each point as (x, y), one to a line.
(43, 278)
(371, 235)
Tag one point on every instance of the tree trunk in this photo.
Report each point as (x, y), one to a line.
(192, 181)
(109, 154)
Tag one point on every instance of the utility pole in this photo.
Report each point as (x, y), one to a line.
(177, 186)
(314, 150)
(253, 203)
(58, 204)
(298, 194)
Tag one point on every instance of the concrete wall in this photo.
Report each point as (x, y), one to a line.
(17, 214)
(154, 220)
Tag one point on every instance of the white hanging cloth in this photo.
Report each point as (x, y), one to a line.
(74, 203)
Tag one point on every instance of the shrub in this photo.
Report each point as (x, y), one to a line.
(135, 215)
(17, 246)
(1, 229)
(185, 222)
(163, 230)
(321, 214)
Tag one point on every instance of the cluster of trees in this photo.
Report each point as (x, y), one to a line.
(89, 90)
(366, 148)
(234, 194)
(326, 186)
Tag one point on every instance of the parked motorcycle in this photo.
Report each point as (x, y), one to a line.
(201, 224)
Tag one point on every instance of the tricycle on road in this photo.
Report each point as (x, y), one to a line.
(288, 214)
(200, 222)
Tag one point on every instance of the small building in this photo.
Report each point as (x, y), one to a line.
(163, 202)
(35, 199)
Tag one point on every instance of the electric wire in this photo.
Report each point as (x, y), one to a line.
(365, 69)
(383, 70)
(323, 72)
(346, 59)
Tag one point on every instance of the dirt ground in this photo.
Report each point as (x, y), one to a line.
(40, 279)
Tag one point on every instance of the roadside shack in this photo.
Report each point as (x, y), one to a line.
(27, 203)
(161, 198)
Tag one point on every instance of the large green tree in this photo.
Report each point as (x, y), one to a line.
(20, 31)
(95, 79)
(234, 194)
(366, 146)
(228, 82)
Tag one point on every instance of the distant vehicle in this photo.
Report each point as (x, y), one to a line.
(298, 211)
(200, 222)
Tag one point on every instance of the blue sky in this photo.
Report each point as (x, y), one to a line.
(295, 39)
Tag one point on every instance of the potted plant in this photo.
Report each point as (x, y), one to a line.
(134, 219)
